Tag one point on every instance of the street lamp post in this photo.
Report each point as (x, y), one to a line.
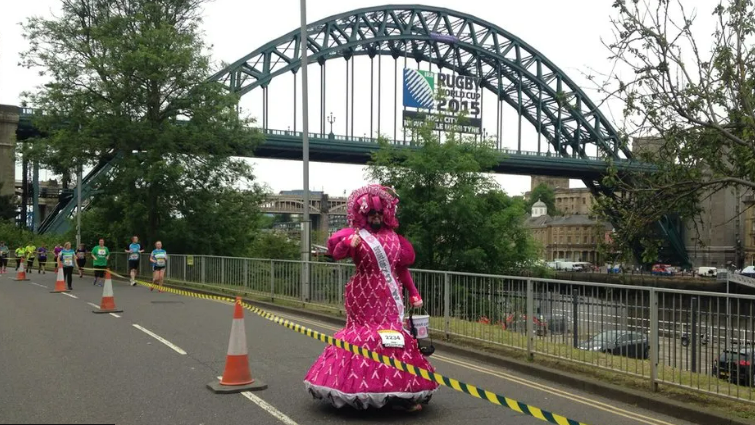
(305, 247)
(331, 120)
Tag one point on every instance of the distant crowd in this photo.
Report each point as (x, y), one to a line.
(63, 256)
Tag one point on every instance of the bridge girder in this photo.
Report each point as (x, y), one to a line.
(516, 72)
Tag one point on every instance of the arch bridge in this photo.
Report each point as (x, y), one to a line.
(570, 137)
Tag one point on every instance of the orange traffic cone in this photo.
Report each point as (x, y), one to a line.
(60, 283)
(21, 274)
(107, 305)
(237, 377)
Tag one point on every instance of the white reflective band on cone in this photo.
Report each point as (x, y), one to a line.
(108, 290)
(237, 344)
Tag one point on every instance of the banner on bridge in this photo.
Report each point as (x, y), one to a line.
(416, 119)
(442, 98)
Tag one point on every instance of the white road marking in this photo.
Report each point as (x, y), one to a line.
(267, 407)
(115, 315)
(94, 305)
(172, 346)
(69, 295)
(34, 283)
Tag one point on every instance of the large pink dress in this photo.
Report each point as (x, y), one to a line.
(344, 378)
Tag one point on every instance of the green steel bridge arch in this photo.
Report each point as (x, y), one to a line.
(514, 71)
(507, 66)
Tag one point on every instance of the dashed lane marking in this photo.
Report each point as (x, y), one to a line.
(69, 295)
(37, 284)
(115, 315)
(269, 408)
(172, 346)
(94, 305)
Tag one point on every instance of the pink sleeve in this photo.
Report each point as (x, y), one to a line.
(406, 259)
(338, 244)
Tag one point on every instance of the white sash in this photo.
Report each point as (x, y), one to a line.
(385, 268)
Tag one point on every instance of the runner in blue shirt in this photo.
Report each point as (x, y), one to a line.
(159, 260)
(133, 258)
(66, 259)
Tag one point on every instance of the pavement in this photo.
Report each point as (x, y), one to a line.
(151, 363)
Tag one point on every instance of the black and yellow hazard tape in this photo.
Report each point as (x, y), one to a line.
(454, 384)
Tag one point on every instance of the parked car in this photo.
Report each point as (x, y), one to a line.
(620, 343)
(662, 270)
(735, 366)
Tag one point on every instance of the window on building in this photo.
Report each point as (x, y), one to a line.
(584, 201)
(568, 239)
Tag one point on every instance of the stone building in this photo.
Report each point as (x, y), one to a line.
(9, 117)
(748, 238)
(718, 240)
(574, 237)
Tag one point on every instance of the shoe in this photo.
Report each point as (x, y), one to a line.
(133, 283)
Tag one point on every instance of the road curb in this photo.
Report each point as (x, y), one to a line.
(649, 401)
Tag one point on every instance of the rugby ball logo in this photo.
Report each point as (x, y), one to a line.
(419, 89)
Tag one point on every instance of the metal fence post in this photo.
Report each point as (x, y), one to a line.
(693, 335)
(246, 273)
(186, 265)
(530, 317)
(340, 284)
(575, 315)
(204, 271)
(305, 284)
(272, 279)
(222, 270)
(654, 342)
(447, 304)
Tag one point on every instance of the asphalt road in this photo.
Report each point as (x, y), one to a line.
(63, 364)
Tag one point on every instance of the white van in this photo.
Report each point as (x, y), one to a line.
(707, 271)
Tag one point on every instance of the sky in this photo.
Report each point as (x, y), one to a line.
(567, 32)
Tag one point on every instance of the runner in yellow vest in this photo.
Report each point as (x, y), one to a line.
(31, 253)
(20, 253)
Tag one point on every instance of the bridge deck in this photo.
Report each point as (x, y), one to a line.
(284, 144)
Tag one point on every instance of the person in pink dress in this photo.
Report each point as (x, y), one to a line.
(374, 313)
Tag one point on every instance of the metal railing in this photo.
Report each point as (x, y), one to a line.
(696, 340)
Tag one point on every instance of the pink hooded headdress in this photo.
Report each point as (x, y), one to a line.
(372, 197)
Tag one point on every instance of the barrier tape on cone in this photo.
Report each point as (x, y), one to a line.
(454, 384)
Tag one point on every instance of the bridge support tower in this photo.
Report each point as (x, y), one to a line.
(9, 116)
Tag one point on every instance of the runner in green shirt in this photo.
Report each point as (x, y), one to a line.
(20, 253)
(100, 254)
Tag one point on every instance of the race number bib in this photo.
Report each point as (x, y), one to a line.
(133, 256)
(391, 338)
(80, 255)
(68, 260)
(101, 252)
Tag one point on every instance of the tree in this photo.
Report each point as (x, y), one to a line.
(543, 193)
(276, 246)
(698, 109)
(130, 77)
(456, 216)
